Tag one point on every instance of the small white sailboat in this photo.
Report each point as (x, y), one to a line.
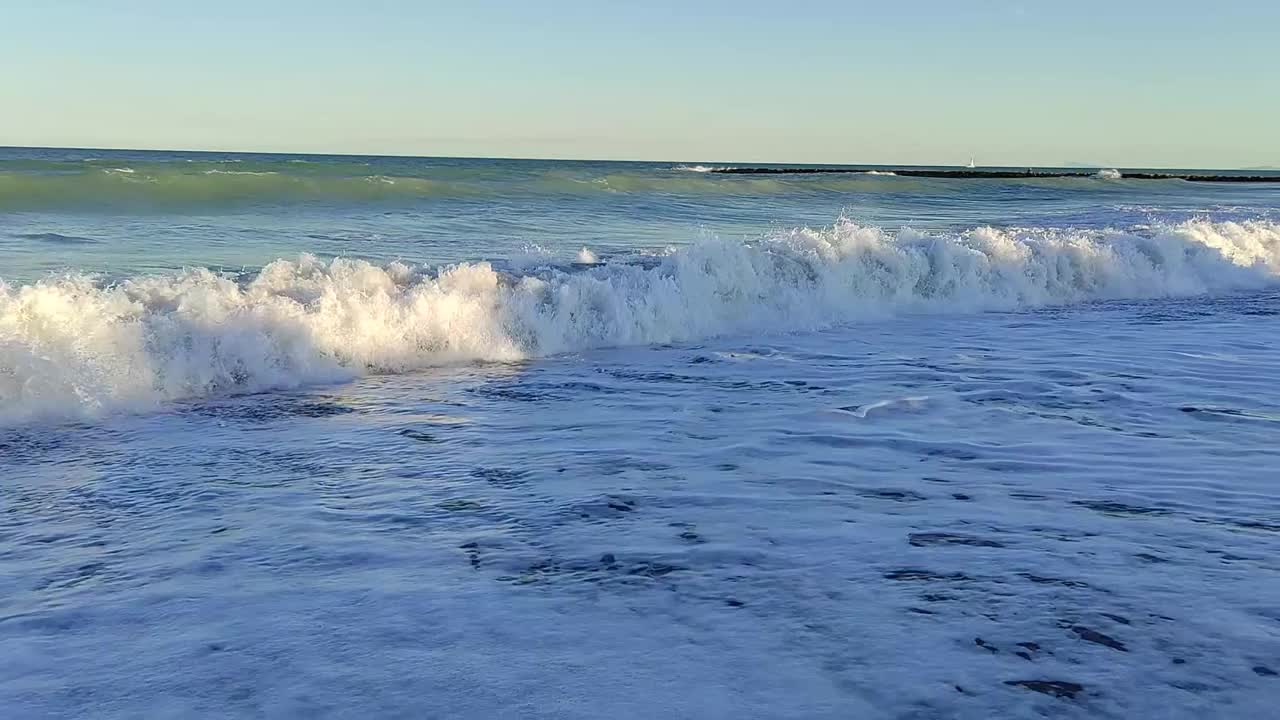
(971, 165)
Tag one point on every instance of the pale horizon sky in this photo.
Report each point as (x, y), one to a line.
(1138, 83)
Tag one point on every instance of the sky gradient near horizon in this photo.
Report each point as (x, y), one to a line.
(1016, 82)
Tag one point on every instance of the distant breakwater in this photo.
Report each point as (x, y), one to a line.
(968, 174)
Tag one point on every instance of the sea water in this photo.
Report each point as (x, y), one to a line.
(303, 436)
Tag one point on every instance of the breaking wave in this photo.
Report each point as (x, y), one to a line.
(72, 347)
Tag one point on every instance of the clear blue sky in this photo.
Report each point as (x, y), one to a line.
(1121, 82)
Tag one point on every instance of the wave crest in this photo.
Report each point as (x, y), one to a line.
(72, 348)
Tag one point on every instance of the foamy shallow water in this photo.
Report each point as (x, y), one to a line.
(1068, 512)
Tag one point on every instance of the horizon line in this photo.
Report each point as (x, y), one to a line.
(1103, 166)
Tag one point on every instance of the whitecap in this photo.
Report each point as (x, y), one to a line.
(912, 403)
(70, 347)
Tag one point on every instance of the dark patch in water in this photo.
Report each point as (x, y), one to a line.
(608, 567)
(1093, 636)
(1226, 556)
(57, 238)
(316, 409)
(1060, 534)
(1117, 618)
(653, 569)
(1264, 671)
(927, 539)
(1042, 580)
(891, 494)
(585, 387)
(1027, 496)
(264, 408)
(985, 645)
(1261, 525)
(910, 574)
(1257, 525)
(627, 462)
(418, 435)
(950, 453)
(473, 554)
(67, 579)
(1108, 507)
(1148, 557)
(599, 510)
(459, 505)
(536, 572)
(500, 477)
(710, 382)
(1054, 688)
(1215, 413)
(22, 444)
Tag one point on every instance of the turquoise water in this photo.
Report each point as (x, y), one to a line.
(351, 437)
(127, 212)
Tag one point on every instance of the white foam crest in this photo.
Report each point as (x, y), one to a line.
(1108, 175)
(699, 168)
(216, 171)
(587, 257)
(71, 348)
(913, 402)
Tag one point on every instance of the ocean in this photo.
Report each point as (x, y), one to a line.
(298, 436)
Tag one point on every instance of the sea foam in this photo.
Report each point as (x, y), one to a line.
(71, 347)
